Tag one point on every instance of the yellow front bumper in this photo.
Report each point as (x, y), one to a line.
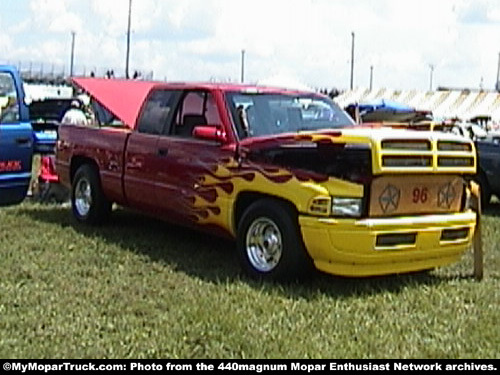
(349, 247)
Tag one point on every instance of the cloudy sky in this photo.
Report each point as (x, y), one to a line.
(285, 41)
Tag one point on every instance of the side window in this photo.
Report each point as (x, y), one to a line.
(9, 104)
(197, 108)
(156, 111)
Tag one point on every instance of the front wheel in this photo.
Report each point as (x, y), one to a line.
(269, 243)
(88, 203)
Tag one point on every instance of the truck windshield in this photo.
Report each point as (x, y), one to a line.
(257, 114)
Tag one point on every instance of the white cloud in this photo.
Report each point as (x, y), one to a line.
(54, 16)
(308, 40)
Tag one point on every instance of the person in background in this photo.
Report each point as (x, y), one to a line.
(75, 115)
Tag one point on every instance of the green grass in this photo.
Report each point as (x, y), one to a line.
(141, 288)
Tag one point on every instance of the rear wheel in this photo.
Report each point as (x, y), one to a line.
(89, 205)
(269, 243)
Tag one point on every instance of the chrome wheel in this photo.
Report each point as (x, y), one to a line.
(83, 197)
(264, 244)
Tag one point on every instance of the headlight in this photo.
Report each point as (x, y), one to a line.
(351, 207)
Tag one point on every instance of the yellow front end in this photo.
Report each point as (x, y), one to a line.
(417, 212)
(412, 211)
(368, 247)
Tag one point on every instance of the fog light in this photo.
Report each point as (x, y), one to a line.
(351, 207)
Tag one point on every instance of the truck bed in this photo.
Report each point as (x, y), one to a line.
(103, 145)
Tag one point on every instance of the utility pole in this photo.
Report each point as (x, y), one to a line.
(72, 59)
(352, 61)
(128, 38)
(242, 65)
(431, 66)
(371, 77)
(497, 84)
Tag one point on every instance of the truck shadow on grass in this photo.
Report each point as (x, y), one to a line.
(213, 259)
(493, 209)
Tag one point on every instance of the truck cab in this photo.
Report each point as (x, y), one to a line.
(16, 138)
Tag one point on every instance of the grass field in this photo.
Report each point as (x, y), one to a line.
(141, 288)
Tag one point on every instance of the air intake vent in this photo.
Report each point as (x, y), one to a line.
(454, 234)
(396, 239)
(402, 144)
(454, 146)
(407, 161)
(444, 161)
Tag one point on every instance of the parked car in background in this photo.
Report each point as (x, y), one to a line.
(46, 115)
(489, 168)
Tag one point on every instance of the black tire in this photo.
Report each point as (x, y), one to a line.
(485, 190)
(275, 230)
(88, 203)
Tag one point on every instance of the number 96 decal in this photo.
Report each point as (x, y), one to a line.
(420, 195)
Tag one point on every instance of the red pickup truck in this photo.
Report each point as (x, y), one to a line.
(285, 173)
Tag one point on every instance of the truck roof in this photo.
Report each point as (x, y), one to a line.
(124, 98)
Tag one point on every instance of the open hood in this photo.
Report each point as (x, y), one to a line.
(123, 98)
(312, 155)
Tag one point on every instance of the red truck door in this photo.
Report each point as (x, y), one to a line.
(143, 159)
(188, 160)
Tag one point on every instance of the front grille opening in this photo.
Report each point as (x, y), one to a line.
(454, 234)
(454, 146)
(407, 161)
(396, 239)
(407, 144)
(455, 162)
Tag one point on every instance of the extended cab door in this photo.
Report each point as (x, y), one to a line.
(16, 139)
(187, 183)
(142, 158)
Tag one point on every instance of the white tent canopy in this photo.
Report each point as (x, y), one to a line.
(463, 104)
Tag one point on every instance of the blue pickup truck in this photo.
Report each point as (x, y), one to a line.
(22, 135)
(16, 138)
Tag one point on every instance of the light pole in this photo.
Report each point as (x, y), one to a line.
(128, 38)
(352, 60)
(431, 66)
(497, 83)
(72, 59)
(371, 77)
(242, 65)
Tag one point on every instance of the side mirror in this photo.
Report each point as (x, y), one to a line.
(210, 133)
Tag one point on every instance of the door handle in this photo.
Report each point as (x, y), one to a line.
(162, 152)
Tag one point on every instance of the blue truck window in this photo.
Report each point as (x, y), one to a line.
(9, 103)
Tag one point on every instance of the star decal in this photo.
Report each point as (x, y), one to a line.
(389, 199)
(446, 195)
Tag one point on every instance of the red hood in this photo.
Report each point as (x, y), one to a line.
(123, 98)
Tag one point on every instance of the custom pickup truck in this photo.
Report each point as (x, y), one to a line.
(285, 173)
(16, 138)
